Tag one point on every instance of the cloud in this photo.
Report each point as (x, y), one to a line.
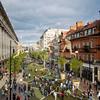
(31, 17)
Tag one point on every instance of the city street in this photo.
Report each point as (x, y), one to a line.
(50, 50)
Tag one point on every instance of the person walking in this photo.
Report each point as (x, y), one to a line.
(90, 96)
(98, 95)
(18, 98)
(55, 95)
(14, 96)
(62, 95)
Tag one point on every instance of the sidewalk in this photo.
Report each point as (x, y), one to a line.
(84, 87)
(2, 81)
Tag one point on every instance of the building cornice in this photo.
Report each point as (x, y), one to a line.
(3, 12)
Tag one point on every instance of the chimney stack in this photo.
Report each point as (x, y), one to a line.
(79, 24)
(73, 27)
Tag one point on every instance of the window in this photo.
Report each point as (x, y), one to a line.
(84, 43)
(91, 44)
(85, 32)
(87, 57)
(79, 45)
(87, 43)
(78, 35)
(81, 34)
(93, 30)
(89, 31)
(83, 57)
(71, 36)
(75, 35)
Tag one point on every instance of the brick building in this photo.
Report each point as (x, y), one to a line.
(86, 40)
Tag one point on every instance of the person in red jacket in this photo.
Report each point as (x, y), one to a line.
(18, 98)
(62, 95)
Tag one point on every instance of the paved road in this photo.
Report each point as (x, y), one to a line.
(84, 87)
(19, 84)
(2, 81)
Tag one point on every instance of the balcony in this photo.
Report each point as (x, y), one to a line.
(87, 48)
(74, 49)
(98, 47)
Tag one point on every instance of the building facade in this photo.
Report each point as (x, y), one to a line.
(86, 40)
(48, 36)
(7, 34)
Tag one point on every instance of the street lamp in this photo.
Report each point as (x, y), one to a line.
(87, 50)
(14, 73)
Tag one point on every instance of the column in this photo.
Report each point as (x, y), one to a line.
(0, 42)
(93, 75)
(98, 74)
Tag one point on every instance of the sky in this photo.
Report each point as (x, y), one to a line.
(30, 18)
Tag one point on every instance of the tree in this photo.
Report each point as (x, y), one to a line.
(76, 65)
(44, 56)
(40, 55)
(61, 61)
(16, 62)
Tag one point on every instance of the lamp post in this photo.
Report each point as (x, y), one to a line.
(87, 50)
(10, 73)
(14, 71)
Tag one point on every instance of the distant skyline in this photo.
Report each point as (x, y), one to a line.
(30, 18)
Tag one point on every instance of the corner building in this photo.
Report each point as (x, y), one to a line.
(86, 40)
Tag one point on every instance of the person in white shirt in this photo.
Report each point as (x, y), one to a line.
(55, 95)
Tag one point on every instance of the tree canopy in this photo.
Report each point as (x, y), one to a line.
(75, 64)
(16, 62)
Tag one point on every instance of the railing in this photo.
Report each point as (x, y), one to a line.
(98, 47)
(87, 48)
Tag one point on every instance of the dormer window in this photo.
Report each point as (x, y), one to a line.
(85, 32)
(93, 30)
(78, 35)
(89, 31)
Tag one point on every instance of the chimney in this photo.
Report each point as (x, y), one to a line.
(79, 24)
(73, 27)
(90, 22)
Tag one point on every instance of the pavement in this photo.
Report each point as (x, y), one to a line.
(3, 81)
(84, 87)
(19, 83)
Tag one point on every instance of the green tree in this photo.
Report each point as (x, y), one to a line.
(43, 56)
(62, 61)
(16, 62)
(76, 65)
(40, 55)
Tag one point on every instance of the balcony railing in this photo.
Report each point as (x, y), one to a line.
(87, 48)
(98, 47)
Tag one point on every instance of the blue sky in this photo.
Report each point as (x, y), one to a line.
(31, 17)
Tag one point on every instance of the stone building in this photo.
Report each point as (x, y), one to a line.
(7, 34)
